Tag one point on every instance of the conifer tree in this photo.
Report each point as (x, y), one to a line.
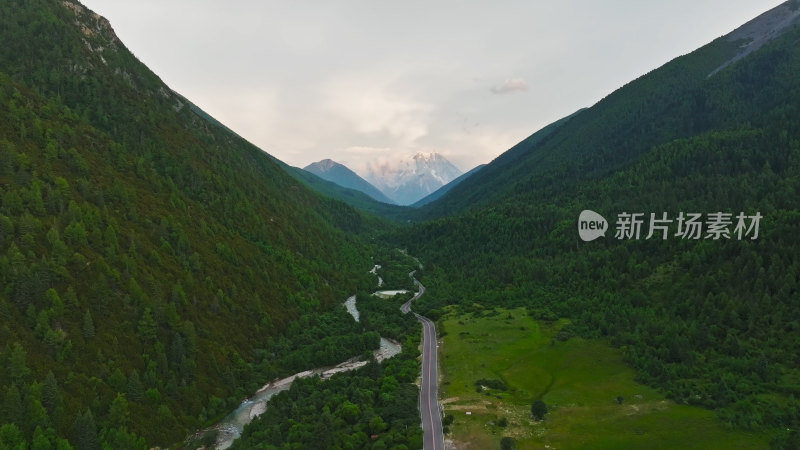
(88, 325)
(85, 431)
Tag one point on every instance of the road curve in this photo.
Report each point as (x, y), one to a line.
(432, 435)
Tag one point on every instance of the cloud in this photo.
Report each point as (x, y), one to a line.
(511, 85)
(361, 158)
(373, 108)
(359, 150)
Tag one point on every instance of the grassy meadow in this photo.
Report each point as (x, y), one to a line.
(579, 381)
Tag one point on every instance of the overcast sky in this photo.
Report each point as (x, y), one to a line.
(359, 80)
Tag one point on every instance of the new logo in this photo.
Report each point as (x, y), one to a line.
(591, 225)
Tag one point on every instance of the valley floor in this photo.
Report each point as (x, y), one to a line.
(591, 396)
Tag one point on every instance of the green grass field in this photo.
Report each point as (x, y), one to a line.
(579, 380)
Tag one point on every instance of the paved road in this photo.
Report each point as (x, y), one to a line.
(432, 435)
(406, 308)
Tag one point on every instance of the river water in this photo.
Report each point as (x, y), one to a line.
(375, 271)
(230, 428)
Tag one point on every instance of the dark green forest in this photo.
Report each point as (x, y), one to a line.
(375, 407)
(156, 268)
(372, 407)
(149, 258)
(711, 322)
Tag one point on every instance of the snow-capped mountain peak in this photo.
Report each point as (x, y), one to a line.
(410, 179)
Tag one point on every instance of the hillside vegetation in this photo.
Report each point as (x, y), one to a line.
(590, 395)
(156, 268)
(147, 254)
(710, 322)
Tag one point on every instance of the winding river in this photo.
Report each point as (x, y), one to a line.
(230, 427)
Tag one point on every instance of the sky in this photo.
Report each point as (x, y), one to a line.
(365, 80)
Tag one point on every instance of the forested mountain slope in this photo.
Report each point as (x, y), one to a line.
(711, 322)
(145, 251)
(352, 197)
(343, 176)
(670, 102)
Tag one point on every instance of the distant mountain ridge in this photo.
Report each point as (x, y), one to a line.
(330, 170)
(409, 180)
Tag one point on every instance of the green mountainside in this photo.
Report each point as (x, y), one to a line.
(352, 197)
(710, 322)
(156, 268)
(147, 254)
(340, 174)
